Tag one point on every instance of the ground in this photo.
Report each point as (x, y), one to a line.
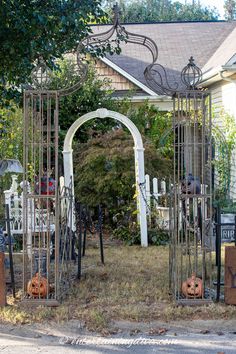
(181, 337)
(131, 286)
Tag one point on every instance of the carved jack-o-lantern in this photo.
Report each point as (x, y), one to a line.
(192, 287)
(38, 286)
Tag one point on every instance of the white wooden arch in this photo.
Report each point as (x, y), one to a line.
(138, 154)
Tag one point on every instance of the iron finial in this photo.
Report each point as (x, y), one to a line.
(117, 12)
(191, 75)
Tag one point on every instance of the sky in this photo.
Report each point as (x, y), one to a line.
(219, 4)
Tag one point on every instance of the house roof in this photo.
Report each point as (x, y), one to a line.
(176, 43)
(224, 53)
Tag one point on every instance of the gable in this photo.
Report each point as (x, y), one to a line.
(116, 81)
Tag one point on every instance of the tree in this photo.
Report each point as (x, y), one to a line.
(164, 10)
(105, 169)
(230, 9)
(11, 144)
(11, 139)
(92, 94)
(33, 28)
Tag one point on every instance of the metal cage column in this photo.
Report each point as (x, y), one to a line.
(40, 197)
(192, 227)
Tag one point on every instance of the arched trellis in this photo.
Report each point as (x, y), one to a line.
(138, 154)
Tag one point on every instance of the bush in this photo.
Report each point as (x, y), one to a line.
(130, 237)
(158, 237)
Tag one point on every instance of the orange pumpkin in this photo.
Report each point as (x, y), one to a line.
(38, 287)
(192, 288)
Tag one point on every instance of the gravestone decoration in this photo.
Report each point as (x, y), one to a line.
(227, 231)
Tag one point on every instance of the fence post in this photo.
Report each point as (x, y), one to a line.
(163, 187)
(148, 196)
(155, 190)
(2, 270)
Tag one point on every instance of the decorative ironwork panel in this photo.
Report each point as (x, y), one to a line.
(191, 209)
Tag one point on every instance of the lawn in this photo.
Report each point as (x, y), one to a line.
(132, 285)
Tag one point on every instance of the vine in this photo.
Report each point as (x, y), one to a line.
(224, 134)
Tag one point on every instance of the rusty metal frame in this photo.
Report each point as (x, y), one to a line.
(191, 199)
(42, 105)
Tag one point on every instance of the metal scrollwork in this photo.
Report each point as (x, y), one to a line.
(104, 42)
(156, 76)
(109, 42)
(96, 45)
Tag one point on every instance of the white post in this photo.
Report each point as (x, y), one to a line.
(68, 168)
(148, 196)
(155, 190)
(163, 187)
(69, 179)
(141, 194)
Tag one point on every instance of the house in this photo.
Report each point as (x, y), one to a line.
(213, 46)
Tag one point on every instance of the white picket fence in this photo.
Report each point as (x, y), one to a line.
(154, 190)
(37, 219)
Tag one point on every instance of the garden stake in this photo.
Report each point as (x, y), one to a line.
(218, 252)
(100, 217)
(80, 242)
(10, 251)
(2, 270)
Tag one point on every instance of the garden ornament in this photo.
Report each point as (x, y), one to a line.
(10, 165)
(38, 287)
(190, 185)
(47, 185)
(192, 287)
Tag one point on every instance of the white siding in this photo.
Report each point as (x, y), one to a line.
(224, 100)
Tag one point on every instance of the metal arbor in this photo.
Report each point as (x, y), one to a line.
(48, 218)
(48, 206)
